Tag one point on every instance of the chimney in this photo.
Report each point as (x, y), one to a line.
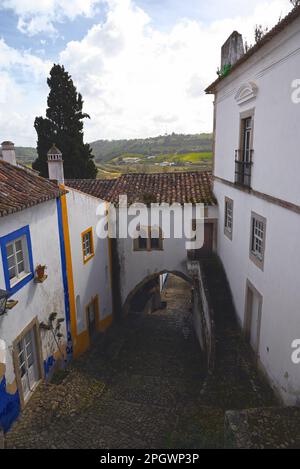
(8, 153)
(232, 50)
(55, 164)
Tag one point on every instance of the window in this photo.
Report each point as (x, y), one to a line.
(150, 239)
(243, 160)
(228, 220)
(17, 259)
(247, 137)
(87, 245)
(258, 239)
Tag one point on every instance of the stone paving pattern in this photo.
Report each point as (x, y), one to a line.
(143, 385)
(270, 428)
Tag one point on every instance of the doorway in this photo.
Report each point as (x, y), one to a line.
(92, 319)
(254, 301)
(27, 361)
(208, 244)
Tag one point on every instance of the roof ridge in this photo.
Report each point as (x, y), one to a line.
(277, 28)
(21, 189)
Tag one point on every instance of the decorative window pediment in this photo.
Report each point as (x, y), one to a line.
(246, 92)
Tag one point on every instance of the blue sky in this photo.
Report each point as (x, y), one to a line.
(141, 65)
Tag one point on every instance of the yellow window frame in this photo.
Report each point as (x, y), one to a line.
(86, 259)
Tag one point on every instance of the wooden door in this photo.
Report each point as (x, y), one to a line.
(253, 318)
(91, 318)
(207, 249)
(28, 363)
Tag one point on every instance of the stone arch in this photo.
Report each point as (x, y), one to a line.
(148, 279)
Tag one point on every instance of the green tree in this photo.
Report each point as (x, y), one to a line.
(63, 126)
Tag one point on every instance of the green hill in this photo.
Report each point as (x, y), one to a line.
(105, 150)
(26, 154)
(173, 145)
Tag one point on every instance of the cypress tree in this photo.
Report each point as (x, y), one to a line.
(63, 126)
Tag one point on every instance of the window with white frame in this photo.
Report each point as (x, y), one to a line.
(87, 245)
(17, 259)
(228, 218)
(258, 239)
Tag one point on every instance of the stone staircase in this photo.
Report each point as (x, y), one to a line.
(253, 416)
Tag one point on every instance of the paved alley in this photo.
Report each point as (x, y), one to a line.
(142, 387)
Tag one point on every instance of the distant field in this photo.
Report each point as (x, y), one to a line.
(184, 158)
(193, 161)
(191, 157)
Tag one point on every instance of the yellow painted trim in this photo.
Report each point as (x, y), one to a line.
(12, 388)
(105, 323)
(2, 371)
(69, 271)
(87, 259)
(82, 344)
(110, 261)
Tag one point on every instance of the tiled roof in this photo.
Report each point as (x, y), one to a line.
(289, 19)
(181, 187)
(99, 188)
(20, 189)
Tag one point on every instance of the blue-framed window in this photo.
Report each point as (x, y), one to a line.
(17, 259)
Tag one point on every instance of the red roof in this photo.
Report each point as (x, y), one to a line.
(180, 187)
(290, 18)
(21, 189)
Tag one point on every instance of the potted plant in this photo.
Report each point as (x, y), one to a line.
(40, 272)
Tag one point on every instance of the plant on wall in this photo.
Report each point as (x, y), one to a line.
(225, 71)
(54, 326)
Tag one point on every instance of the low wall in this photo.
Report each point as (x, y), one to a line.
(203, 314)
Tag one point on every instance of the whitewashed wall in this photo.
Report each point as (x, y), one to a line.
(35, 300)
(276, 171)
(276, 124)
(92, 278)
(138, 265)
(278, 283)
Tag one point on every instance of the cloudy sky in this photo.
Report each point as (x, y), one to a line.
(141, 65)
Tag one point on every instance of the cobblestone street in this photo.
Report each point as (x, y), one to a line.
(143, 387)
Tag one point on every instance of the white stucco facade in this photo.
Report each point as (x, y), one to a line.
(275, 172)
(136, 265)
(35, 300)
(91, 279)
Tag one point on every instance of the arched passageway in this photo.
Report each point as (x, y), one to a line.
(150, 294)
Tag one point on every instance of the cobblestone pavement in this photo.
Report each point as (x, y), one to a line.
(142, 386)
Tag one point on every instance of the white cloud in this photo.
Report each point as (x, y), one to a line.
(40, 16)
(137, 81)
(23, 89)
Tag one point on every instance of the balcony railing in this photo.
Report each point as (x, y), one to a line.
(243, 168)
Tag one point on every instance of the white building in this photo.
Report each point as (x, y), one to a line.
(142, 260)
(52, 262)
(29, 237)
(256, 183)
(89, 272)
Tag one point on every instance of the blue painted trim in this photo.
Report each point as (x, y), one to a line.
(48, 365)
(65, 278)
(9, 406)
(25, 231)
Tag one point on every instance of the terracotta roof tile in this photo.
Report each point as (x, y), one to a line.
(96, 187)
(181, 187)
(21, 189)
